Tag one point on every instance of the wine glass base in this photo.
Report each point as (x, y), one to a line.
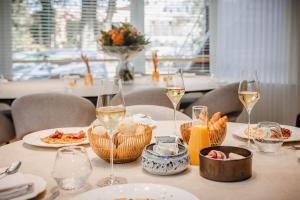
(108, 181)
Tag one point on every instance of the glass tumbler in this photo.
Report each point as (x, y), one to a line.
(268, 137)
(72, 168)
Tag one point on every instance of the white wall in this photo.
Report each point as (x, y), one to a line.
(262, 34)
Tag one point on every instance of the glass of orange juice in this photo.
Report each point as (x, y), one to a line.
(199, 138)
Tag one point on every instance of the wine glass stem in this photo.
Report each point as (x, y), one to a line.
(248, 142)
(112, 176)
(175, 124)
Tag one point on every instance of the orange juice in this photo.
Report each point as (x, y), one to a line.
(199, 140)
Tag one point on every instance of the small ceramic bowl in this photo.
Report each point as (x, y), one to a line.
(164, 165)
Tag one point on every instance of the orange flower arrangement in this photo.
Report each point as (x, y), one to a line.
(124, 35)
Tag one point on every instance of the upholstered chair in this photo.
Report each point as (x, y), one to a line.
(149, 96)
(224, 99)
(7, 130)
(157, 113)
(50, 110)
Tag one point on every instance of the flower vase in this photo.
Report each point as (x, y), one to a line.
(125, 71)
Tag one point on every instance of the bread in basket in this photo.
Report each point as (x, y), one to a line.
(216, 126)
(128, 142)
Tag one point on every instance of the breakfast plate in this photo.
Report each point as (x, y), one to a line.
(35, 137)
(139, 191)
(240, 132)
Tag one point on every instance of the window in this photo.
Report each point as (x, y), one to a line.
(48, 36)
(178, 29)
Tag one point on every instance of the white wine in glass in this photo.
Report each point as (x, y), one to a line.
(111, 116)
(175, 94)
(249, 94)
(249, 99)
(110, 111)
(175, 90)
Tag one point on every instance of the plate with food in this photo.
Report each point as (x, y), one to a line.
(137, 191)
(290, 133)
(58, 137)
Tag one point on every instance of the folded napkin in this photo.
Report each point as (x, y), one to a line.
(14, 185)
(143, 119)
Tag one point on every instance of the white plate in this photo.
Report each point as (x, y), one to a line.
(39, 186)
(139, 190)
(35, 137)
(295, 136)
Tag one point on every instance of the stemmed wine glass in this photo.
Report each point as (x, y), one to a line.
(110, 111)
(249, 94)
(175, 90)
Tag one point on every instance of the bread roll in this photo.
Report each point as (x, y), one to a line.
(127, 127)
(140, 130)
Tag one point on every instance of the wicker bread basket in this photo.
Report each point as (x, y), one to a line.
(216, 136)
(127, 148)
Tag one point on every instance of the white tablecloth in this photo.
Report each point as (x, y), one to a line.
(274, 176)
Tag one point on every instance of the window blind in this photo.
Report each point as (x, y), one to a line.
(48, 32)
(41, 25)
(176, 27)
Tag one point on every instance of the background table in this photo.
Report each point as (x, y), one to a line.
(12, 90)
(274, 176)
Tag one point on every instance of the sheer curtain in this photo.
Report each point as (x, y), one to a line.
(264, 35)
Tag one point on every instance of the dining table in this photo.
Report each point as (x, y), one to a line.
(275, 176)
(11, 90)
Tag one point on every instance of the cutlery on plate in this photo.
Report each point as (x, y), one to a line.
(16, 191)
(13, 168)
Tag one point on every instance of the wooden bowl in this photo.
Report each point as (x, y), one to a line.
(226, 170)
(216, 137)
(126, 148)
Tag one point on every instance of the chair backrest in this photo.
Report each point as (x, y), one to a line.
(151, 96)
(157, 113)
(224, 99)
(50, 110)
(7, 130)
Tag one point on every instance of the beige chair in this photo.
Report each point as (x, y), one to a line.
(151, 96)
(50, 110)
(157, 113)
(224, 99)
(7, 130)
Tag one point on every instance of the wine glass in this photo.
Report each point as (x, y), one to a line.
(110, 111)
(249, 94)
(175, 90)
(72, 168)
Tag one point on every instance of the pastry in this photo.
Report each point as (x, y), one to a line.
(214, 118)
(101, 131)
(140, 130)
(127, 127)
